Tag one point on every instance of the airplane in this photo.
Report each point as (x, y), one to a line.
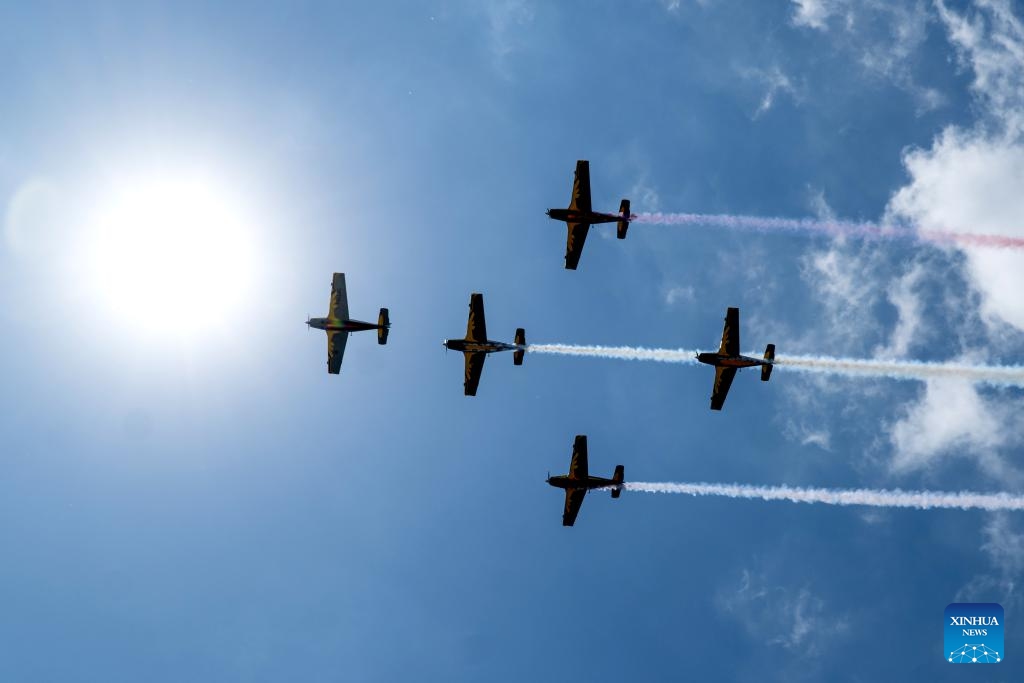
(579, 216)
(476, 345)
(578, 481)
(728, 359)
(337, 324)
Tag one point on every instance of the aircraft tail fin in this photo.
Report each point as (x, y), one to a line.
(517, 355)
(617, 478)
(384, 324)
(623, 224)
(769, 355)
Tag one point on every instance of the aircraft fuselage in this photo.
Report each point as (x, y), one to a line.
(478, 347)
(335, 325)
(590, 217)
(564, 482)
(721, 360)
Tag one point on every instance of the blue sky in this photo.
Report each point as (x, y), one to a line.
(211, 505)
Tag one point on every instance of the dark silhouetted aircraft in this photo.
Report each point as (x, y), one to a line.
(728, 359)
(578, 481)
(579, 216)
(476, 345)
(338, 324)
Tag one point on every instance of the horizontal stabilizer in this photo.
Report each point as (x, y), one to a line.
(517, 355)
(383, 325)
(766, 370)
(617, 478)
(623, 225)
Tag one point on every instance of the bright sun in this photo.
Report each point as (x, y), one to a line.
(172, 255)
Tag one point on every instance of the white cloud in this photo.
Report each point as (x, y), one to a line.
(644, 195)
(805, 435)
(990, 42)
(774, 82)
(845, 280)
(674, 5)
(678, 293)
(885, 35)
(820, 206)
(1004, 546)
(903, 296)
(970, 180)
(505, 18)
(796, 619)
(952, 418)
(812, 13)
(971, 183)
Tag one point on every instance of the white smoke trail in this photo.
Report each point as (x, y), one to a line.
(617, 352)
(1005, 375)
(860, 229)
(920, 500)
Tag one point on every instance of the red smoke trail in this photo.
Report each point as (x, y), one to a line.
(836, 228)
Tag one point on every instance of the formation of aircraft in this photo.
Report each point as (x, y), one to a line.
(728, 359)
(475, 346)
(338, 325)
(578, 481)
(580, 216)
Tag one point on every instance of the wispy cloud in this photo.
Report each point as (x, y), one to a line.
(806, 435)
(888, 54)
(679, 294)
(989, 40)
(1003, 544)
(506, 20)
(793, 618)
(903, 296)
(774, 82)
(953, 419)
(812, 13)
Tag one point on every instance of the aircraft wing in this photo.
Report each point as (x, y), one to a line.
(581, 188)
(573, 501)
(476, 328)
(731, 334)
(574, 243)
(335, 349)
(474, 366)
(723, 380)
(578, 466)
(339, 298)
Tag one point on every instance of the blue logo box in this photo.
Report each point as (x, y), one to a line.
(973, 633)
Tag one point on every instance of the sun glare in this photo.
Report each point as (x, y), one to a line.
(172, 255)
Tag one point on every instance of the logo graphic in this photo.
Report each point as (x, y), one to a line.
(973, 633)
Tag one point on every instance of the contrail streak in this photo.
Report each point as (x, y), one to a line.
(617, 352)
(1004, 375)
(920, 500)
(864, 230)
